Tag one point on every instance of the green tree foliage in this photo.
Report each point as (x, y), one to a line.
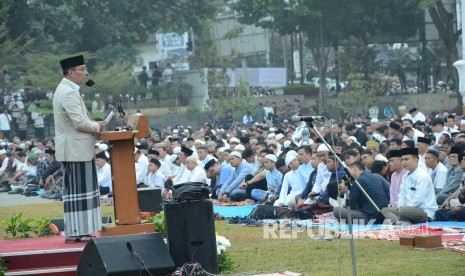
(324, 23)
(361, 96)
(444, 21)
(89, 25)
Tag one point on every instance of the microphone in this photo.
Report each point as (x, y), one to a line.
(297, 118)
(92, 83)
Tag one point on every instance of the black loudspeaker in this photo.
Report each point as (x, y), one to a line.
(126, 255)
(190, 230)
(149, 199)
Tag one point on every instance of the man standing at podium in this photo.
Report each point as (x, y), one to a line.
(75, 135)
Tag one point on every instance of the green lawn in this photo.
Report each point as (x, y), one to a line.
(254, 254)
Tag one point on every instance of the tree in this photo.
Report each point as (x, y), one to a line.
(324, 23)
(444, 22)
(89, 25)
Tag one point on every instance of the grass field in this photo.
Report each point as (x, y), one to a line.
(253, 254)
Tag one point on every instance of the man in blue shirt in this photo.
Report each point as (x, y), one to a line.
(230, 190)
(274, 179)
(374, 185)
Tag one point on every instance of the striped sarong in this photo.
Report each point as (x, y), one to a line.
(81, 199)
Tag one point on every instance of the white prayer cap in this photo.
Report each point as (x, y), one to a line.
(2, 151)
(271, 157)
(402, 107)
(407, 116)
(244, 131)
(378, 137)
(239, 147)
(271, 135)
(234, 140)
(186, 131)
(103, 147)
(199, 141)
(184, 139)
(272, 129)
(287, 143)
(289, 159)
(236, 153)
(177, 150)
(322, 148)
(374, 120)
(279, 136)
(353, 139)
(462, 122)
(175, 131)
(292, 152)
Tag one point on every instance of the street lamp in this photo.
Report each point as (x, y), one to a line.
(460, 64)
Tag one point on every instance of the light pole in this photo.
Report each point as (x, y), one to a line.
(460, 64)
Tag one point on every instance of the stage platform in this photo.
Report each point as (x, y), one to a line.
(40, 256)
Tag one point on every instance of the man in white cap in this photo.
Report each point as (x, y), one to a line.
(403, 113)
(230, 190)
(291, 180)
(280, 141)
(195, 172)
(273, 178)
(323, 174)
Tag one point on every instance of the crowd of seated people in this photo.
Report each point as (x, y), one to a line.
(406, 169)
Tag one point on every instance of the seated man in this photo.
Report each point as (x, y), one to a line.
(104, 178)
(436, 169)
(195, 172)
(155, 178)
(417, 200)
(291, 180)
(230, 190)
(453, 207)
(52, 168)
(374, 185)
(273, 181)
(454, 175)
(306, 197)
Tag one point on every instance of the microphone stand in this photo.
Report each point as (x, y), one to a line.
(120, 109)
(348, 177)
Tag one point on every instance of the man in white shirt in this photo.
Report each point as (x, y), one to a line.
(168, 74)
(322, 175)
(155, 178)
(103, 173)
(195, 172)
(438, 128)
(417, 200)
(164, 167)
(422, 145)
(417, 115)
(291, 180)
(436, 170)
(182, 175)
(142, 163)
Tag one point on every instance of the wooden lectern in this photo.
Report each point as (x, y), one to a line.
(125, 197)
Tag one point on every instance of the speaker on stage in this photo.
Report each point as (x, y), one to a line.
(190, 231)
(149, 199)
(126, 255)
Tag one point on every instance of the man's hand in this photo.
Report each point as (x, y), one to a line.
(101, 124)
(300, 202)
(243, 185)
(445, 204)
